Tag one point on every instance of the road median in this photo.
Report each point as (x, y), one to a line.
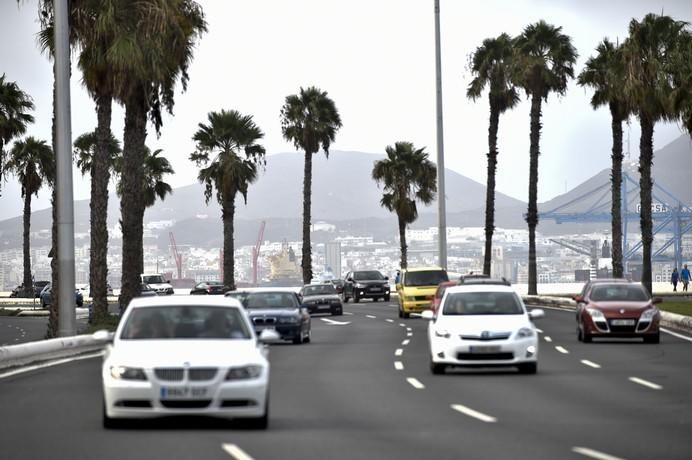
(46, 350)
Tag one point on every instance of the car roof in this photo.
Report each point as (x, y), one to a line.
(421, 269)
(479, 288)
(183, 300)
(281, 290)
(609, 280)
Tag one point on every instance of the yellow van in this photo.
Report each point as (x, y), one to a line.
(416, 288)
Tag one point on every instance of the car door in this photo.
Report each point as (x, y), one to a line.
(348, 285)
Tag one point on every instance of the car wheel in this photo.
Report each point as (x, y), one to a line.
(337, 312)
(437, 368)
(580, 337)
(586, 338)
(528, 368)
(356, 299)
(298, 340)
(344, 298)
(375, 299)
(386, 298)
(307, 337)
(108, 422)
(654, 338)
(400, 314)
(259, 423)
(405, 314)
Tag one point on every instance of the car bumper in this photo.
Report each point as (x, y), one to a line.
(286, 332)
(222, 399)
(474, 353)
(607, 329)
(324, 308)
(368, 293)
(416, 306)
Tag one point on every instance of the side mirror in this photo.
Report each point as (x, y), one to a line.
(102, 335)
(578, 298)
(269, 335)
(536, 313)
(349, 279)
(657, 300)
(386, 278)
(427, 314)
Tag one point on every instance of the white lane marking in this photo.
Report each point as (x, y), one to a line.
(398, 352)
(409, 334)
(348, 313)
(331, 322)
(398, 365)
(370, 316)
(409, 329)
(389, 320)
(473, 413)
(548, 338)
(561, 350)
(22, 370)
(591, 453)
(645, 383)
(402, 324)
(586, 362)
(406, 342)
(540, 331)
(415, 383)
(235, 452)
(675, 334)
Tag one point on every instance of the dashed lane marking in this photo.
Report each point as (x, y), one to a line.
(586, 362)
(540, 331)
(402, 324)
(548, 339)
(399, 352)
(591, 453)
(398, 365)
(409, 334)
(406, 342)
(348, 313)
(561, 350)
(409, 329)
(415, 383)
(331, 322)
(389, 320)
(474, 413)
(370, 316)
(646, 383)
(236, 452)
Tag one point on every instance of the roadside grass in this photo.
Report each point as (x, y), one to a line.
(681, 307)
(9, 311)
(109, 323)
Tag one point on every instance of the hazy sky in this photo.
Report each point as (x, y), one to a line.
(376, 60)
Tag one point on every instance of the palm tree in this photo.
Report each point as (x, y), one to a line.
(408, 176)
(227, 148)
(87, 154)
(32, 161)
(310, 120)
(491, 67)
(543, 63)
(14, 107)
(649, 87)
(156, 47)
(605, 73)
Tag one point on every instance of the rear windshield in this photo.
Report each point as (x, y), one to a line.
(615, 292)
(185, 322)
(153, 279)
(425, 278)
(368, 276)
(323, 289)
(482, 303)
(282, 300)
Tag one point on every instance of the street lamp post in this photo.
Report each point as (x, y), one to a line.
(441, 209)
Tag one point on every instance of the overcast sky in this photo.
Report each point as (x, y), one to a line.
(376, 60)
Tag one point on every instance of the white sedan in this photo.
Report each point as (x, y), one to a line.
(483, 325)
(186, 355)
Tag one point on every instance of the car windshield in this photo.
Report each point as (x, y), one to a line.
(482, 303)
(372, 275)
(271, 300)
(153, 279)
(619, 292)
(185, 322)
(322, 289)
(425, 278)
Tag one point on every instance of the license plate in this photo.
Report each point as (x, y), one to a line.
(375, 289)
(622, 322)
(324, 307)
(262, 328)
(484, 349)
(183, 392)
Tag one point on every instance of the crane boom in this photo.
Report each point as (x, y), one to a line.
(176, 256)
(256, 250)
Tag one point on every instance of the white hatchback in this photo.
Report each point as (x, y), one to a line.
(484, 325)
(186, 355)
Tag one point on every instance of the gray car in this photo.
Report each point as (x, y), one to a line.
(321, 298)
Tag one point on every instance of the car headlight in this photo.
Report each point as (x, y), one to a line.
(244, 373)
(442, 333)
(596, 314)
(648, 314)
(525, 332)
(127, 373)
(288, 319)
(359, 286)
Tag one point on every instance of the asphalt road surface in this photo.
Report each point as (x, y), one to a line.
(19, 329)
(362, 390)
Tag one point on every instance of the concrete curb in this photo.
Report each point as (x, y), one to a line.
(667, 319)
(45, 350)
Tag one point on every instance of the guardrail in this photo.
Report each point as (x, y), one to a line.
(45, 350)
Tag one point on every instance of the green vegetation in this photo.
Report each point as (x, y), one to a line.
(681, 307)
(9, 311)
(110, 323)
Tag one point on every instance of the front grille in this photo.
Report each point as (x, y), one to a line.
(264, 320)
(238, 403)
(422, 297)
(186, 404)
(485, 356)
(134, 403)
(172, 374)
(202, 373)
(621, 329)
(496, 336)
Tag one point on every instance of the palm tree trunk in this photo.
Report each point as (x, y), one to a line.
(100, 175)
(616, 186)
(532, 215)
(131, 205)
(490, 188)
(54, 309)
(306, 262)
(228, 214)
(646, 157)
(402, 243)
(28, 285)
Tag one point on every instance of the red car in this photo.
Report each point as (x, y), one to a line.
(441, 288)
(617, 309)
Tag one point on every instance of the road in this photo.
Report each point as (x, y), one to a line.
(19, 329)
(363, 390)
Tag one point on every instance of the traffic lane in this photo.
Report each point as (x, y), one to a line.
(18, 329)
(567, 401)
